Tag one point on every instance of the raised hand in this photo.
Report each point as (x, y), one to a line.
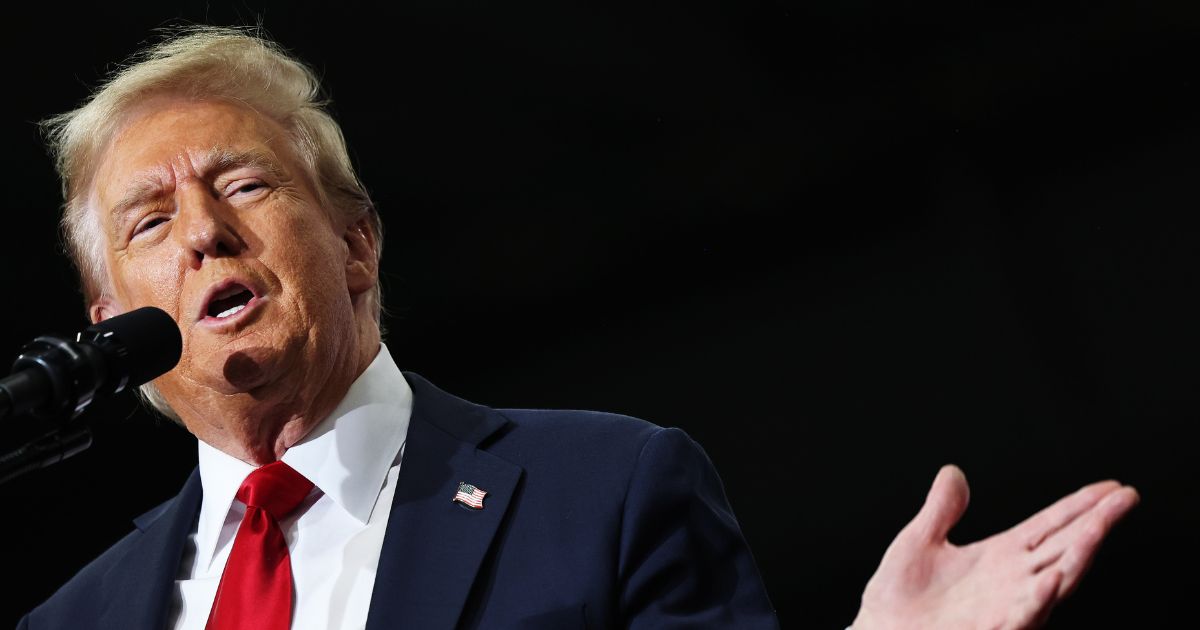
(1010, 580)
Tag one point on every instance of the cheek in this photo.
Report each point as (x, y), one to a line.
(313, 256)
(150, 280)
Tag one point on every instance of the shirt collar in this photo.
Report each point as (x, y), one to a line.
(347, 455)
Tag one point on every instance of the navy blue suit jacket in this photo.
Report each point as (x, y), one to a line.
(591, 520)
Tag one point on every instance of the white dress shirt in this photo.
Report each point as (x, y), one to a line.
(335, 536)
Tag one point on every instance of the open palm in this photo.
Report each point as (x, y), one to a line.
(1010, 580)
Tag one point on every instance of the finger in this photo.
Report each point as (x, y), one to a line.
(1037, 528)
(1078, 554)
(944, 505)
(1096, 521)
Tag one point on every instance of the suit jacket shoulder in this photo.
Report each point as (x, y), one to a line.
(80, 588)
(641, 505)
(129, 585)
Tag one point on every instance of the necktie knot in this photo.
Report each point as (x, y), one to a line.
(276, 488)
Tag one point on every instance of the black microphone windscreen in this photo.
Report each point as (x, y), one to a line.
(147, 338)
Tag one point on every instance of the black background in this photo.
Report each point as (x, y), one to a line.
(838, 243)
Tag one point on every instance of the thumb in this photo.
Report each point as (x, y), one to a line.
(944, 505)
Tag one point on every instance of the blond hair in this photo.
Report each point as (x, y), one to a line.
(203, 62)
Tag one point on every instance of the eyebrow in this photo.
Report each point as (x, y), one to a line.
(215, 161)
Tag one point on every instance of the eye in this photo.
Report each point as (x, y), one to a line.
(148, 224)
(246, 188)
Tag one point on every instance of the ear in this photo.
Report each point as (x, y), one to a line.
(102, 308)
(362, 263)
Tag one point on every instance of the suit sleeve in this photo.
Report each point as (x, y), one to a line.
(684, 562)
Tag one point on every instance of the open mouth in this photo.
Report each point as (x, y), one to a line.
(229, 302)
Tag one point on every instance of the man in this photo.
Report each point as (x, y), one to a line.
(336, 492)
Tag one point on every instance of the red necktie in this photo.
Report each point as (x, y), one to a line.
(256, 588)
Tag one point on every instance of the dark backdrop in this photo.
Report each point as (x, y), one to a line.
(839, 243)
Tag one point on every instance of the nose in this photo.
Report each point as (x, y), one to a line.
(204, 228)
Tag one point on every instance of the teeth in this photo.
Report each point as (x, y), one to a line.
(232, 311)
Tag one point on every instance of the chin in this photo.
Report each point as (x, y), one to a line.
(247, 369)
(239, 366)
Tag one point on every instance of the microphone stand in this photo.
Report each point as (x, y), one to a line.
(47, 450)
(68, 438)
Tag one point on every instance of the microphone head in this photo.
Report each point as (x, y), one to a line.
(145, 343)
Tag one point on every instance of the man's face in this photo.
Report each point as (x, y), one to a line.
(210, 215)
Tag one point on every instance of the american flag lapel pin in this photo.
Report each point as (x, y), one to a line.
(469, 496)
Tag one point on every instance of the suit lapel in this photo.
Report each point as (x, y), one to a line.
(434, 547)
(138, 587)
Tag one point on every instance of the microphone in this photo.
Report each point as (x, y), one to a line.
(57, 379)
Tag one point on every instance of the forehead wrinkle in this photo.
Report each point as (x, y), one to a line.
(148, 184)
